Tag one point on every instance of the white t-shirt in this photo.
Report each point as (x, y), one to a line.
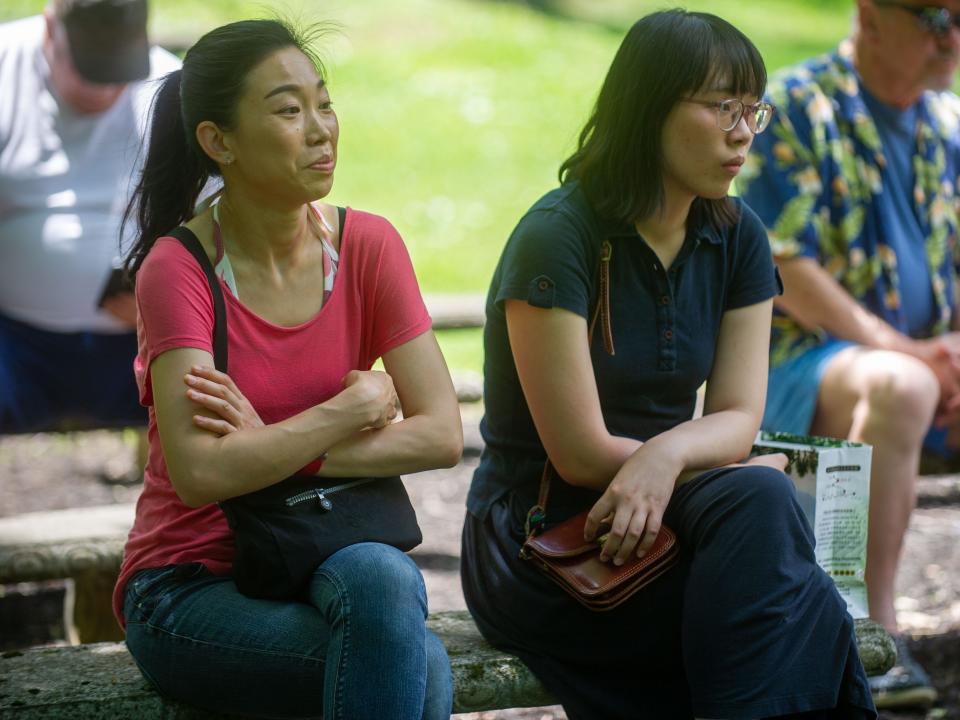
(65, 179)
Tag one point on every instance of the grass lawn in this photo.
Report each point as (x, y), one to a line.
(455, 114)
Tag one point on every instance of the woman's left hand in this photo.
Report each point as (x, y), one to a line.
(633, 504)
(778, 461)
(217, 392)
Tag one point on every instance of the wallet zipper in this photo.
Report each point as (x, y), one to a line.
(320, 494)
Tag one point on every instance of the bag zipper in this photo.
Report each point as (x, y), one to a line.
(320, 494)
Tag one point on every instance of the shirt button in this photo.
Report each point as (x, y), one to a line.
(668, 334)
(543, 284)
(664, 299)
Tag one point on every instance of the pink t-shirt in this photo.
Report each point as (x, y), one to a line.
(375, 306)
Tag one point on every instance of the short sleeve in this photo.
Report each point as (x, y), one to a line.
(754, 277)
(781, 180)
(174, 305)
(546, 264)
(397, 311)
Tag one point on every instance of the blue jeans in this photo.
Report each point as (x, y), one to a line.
(357, 648)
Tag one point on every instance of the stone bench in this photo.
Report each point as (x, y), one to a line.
(456, 311)
(85, 544)
(102, 681)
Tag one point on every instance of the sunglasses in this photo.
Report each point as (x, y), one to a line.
(936, 20)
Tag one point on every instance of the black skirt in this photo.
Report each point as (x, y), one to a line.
(746, 625)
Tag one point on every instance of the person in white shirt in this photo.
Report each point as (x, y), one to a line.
(75, 95)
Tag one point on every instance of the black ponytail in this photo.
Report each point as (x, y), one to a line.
(208, 87)
(172, 177)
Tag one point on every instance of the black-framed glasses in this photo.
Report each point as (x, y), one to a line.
(933, 19)
(730, 111)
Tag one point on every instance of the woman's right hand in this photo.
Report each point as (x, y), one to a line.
(216, 391)
(372, 393)
(635, 500)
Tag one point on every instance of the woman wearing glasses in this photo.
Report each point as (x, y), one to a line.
(746, 625)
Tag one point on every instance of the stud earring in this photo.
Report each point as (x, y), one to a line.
(227, 159)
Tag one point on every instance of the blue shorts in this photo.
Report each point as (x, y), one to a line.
(66, 381)
(792, 395)
(792, 389)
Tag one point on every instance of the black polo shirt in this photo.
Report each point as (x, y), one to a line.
(665, 323)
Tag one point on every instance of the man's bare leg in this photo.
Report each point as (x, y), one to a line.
(888, 400)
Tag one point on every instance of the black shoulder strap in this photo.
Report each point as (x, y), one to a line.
(342, 214)
(192, 244)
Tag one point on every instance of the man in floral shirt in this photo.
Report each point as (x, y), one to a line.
(856, 182)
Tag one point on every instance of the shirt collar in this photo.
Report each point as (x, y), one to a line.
(613, 228)
(706, 232)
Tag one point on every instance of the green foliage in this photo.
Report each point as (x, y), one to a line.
(462, 349)
(456, 114)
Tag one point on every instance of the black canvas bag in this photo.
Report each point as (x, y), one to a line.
(284, 531)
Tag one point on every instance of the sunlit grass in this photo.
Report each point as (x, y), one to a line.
(455, 114)
(462, 349)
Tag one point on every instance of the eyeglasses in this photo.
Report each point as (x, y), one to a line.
(933, 19)
(730, 111)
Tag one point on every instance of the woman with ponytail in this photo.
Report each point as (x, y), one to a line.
(313, 295)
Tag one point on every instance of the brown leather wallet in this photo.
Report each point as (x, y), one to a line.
(574, 564)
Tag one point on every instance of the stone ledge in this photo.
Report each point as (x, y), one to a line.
(102, 681)
(877, 650)
(456, 311)
(63, 543)
(938, 491)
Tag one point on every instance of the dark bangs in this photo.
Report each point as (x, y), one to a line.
(665, 56)
(726, 59)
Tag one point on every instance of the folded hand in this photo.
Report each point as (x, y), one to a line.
(216, 391)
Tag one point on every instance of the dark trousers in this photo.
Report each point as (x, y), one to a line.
(747, 625)
(64, 381)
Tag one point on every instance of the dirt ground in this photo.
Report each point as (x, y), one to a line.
(48, 472)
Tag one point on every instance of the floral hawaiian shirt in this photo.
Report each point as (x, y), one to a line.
(814, 178)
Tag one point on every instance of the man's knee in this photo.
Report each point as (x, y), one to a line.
(901, 389)
(877, 390)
